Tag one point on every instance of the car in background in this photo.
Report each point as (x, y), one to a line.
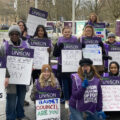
(4, 27)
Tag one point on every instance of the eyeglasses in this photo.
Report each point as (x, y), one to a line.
(14, 34)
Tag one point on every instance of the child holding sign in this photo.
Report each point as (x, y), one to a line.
(46, 86)
(86, 93)
(64, 77)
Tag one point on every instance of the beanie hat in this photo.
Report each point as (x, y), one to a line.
(14, 28)
(85, 61)
(111, 35)
(46, 67)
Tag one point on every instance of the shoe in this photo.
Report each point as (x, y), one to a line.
(26, 103)
(25, 118)
(66, 105)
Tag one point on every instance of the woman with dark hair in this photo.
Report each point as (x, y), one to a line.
(23, 29)
(113, 69)
(41, 34)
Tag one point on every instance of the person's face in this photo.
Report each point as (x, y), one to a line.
(41, 33)
(86, 67)
(111, 39)
(21, 25)
(67, 33)
(88, 32)
(14, 36)
(46, 74)
(113, 69)
(93, 18)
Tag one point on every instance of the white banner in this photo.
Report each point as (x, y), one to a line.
(70, 60)
(2, 80)
(20, 69)
(93, 52)
(41, 57)
(48, 109)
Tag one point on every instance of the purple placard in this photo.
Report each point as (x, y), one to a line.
(39, 13)
(91, 40)
(2, 62)
(47, 95)
(111, 81)
(99, 25)
(114, 48)
(39, 42)
(20, 52)
(72, 46)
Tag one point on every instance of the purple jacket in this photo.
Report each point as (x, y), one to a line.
(86, 99)
(62, 39)
(106, 46)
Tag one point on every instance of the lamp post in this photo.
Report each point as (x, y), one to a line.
(73, 16)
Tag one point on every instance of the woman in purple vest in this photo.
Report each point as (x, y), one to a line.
(46, 86)
(64, 78)
(15, 93)
(86, 93)
(41, 34)
(111, 41)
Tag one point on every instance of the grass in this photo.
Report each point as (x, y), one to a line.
(3, 30)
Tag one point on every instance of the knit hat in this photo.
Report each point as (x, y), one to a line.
(111, 35)
(14, 28)
(46, 67)
(85, 61)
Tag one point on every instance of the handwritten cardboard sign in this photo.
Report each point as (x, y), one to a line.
(111, 93)
(19, 64)
(2, 78)
(71, 55)
(48, 109)
(41, 55)
(35, 17)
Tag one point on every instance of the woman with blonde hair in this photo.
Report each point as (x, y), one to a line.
(86, 93)
(46, 86)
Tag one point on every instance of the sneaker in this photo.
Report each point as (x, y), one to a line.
(24, 118)
(66, 105)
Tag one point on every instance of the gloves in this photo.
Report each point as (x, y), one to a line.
(85, 83)
(61, 46)
(101, 115)
(83, 45)
(105, 57)
(49, 50)
(100, 44)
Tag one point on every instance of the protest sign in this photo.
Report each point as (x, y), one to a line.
(111, 93)
(19, 64)
(100, 30)
(71, 55)
(41, 55)
(35, 17)
(2, 78)
(92, 50)
(48, 109)
(114, 52)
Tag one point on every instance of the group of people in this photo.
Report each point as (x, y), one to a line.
(73, 86)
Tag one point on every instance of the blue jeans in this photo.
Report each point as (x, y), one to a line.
(75, 114)
(15, 103)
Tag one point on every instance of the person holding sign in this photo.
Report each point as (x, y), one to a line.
(92, 41)
(47, 86)
(111, 41)
(86, 93)
(40, 34)
(15, 93)
(64, 77)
